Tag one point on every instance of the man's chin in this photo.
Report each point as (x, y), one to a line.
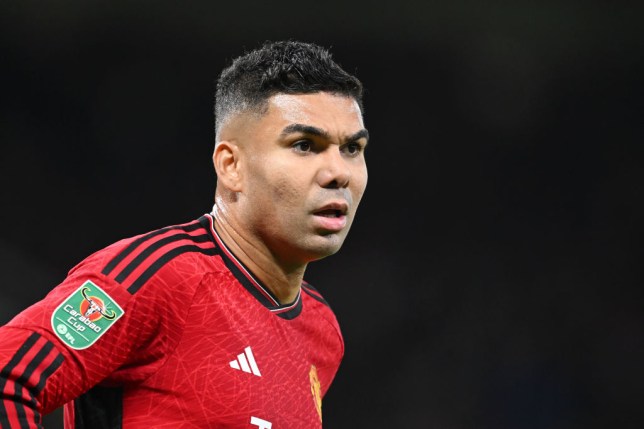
(329, 245)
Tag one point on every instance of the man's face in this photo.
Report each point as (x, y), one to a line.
(303, 173)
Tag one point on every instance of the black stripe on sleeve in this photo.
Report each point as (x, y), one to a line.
(22, 382)
(53, 366)
(6, 372)
(156, 266)
(153, 248)
(136, 243)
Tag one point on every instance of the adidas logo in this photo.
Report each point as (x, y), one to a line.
(246, 362)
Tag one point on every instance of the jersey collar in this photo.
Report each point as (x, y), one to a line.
(251, 283)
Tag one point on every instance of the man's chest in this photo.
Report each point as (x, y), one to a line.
(239, 366)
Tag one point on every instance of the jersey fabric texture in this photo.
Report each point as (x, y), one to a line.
(169, 330)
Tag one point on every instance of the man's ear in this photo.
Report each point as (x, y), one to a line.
(227, 161)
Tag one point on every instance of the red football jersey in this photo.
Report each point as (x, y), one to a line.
(169, 330)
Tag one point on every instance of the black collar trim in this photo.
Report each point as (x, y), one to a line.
(251, 283)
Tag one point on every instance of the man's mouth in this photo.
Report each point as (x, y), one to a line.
(329, 213)
(332, 216)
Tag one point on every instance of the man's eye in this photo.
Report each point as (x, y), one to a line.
(303, 146)
(353, 148)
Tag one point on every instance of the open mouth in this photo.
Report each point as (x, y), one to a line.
(329, 213)
(332, 217)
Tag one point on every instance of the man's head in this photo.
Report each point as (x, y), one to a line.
(284, 67)
(289, 154)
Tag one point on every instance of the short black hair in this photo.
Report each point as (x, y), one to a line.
(282, 67)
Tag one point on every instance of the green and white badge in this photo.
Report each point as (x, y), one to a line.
(85, 316)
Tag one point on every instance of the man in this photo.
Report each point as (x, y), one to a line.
(210, 323)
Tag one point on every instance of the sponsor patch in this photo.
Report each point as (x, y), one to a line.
(85, 316)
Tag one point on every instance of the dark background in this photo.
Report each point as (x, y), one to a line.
(493, 276)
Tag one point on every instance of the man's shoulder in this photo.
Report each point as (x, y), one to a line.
(329, 340)
(316, 301)
(309, 290)
(134, 261)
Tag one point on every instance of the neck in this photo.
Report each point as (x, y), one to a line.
(283, 282)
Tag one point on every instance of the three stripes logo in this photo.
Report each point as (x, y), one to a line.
(246, 362)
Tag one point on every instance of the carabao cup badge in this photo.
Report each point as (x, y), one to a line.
(85, 316)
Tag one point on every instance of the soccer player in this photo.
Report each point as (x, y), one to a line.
(209, 323)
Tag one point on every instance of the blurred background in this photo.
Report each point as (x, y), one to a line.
(493, 278)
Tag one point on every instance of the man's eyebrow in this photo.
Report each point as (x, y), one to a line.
(362, 134)
(304, 129)
(315, 131)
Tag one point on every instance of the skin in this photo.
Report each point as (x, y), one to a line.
(289, 182)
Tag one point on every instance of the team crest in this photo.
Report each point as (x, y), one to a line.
(316, 391)
(85, 316)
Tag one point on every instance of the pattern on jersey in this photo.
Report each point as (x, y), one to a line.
(22, 380)
(142, 258)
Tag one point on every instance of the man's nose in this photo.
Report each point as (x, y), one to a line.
(335, 171)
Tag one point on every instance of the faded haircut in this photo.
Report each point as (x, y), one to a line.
(283, 67)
